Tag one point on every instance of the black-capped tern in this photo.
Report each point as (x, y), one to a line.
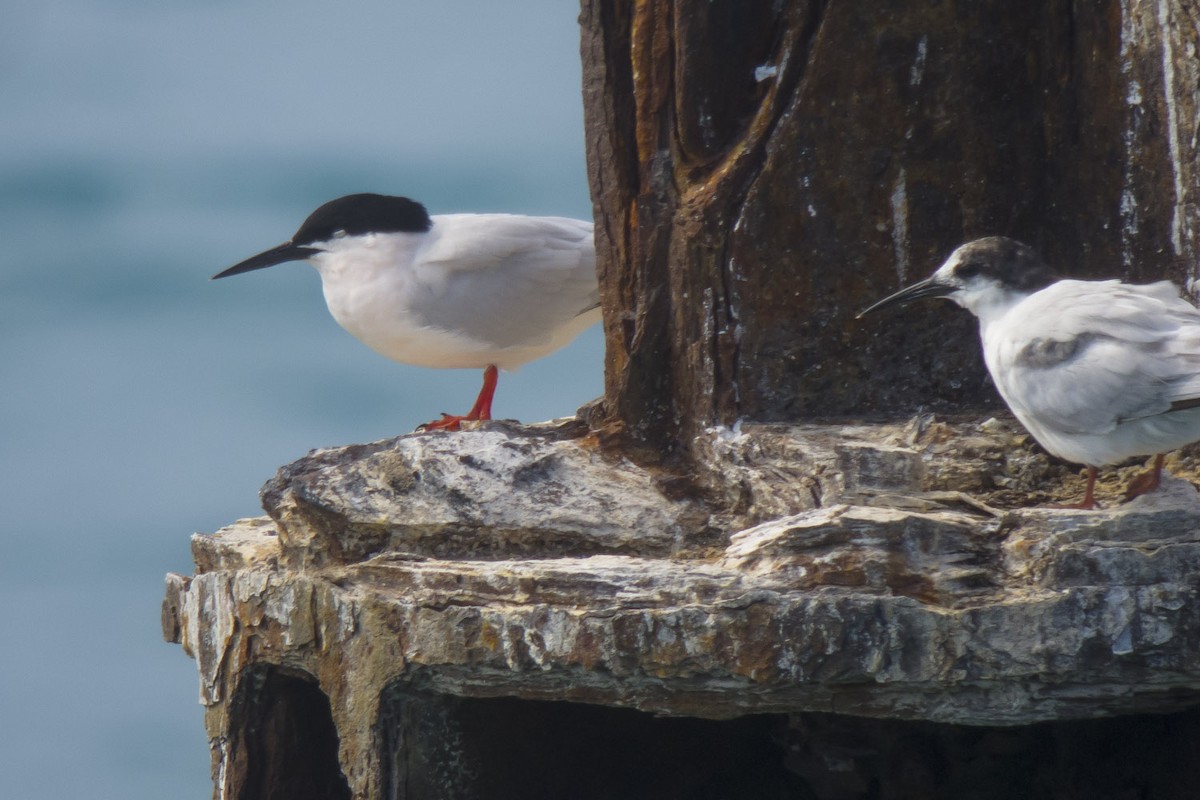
(1097, 371)
(485, 291)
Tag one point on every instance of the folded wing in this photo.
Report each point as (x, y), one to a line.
(509, 280)
(1091, 355)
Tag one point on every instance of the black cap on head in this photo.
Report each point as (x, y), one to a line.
(1011, 264)
(1006, 262)
(359, 214)
(354, 214)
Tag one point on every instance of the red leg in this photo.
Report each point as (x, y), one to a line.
(1089, 498)
(480, 411)
(483, 403)
(1147, 481)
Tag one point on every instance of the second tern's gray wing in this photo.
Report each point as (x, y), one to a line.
(1083, 357)
(507, 280)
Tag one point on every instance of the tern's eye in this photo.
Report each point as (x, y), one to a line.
(339, 234)
(968, 269)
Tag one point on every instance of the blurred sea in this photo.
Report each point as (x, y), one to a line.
(143, 148)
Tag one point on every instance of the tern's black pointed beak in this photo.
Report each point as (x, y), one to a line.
(918, 291)
(276, 255)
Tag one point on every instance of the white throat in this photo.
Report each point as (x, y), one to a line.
(989, 303)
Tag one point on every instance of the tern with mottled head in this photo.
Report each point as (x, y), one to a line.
(1097, 371)
(483, 291)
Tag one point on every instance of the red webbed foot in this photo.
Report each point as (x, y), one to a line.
(482, 410)
(1089, 497)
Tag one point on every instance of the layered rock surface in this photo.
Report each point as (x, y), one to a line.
(873, 570)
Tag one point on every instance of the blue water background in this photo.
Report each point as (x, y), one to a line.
(144, 147)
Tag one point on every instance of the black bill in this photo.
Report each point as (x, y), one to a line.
(918, 291)
(276, 255)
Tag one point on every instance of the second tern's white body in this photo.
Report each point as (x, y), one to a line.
(1092, 368)
(474, 290)
(1098, 371)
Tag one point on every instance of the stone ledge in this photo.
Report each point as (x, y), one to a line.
(862, 570)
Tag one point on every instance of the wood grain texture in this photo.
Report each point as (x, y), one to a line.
(761, 172)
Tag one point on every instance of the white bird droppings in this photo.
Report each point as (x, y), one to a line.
(900, 224)
(765, 71)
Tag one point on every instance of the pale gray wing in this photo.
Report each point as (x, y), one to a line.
(505, 279)
(1083, 357)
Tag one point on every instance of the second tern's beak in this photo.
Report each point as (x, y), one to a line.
(276, 255)
(918, 291)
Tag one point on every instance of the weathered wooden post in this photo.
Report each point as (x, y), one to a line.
(761, 171)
